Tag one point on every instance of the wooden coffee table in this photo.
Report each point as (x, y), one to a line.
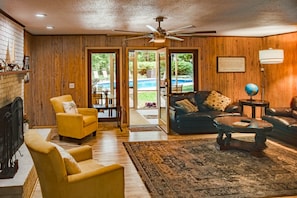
(230, 124)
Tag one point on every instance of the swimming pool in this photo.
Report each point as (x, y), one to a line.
(142, 84)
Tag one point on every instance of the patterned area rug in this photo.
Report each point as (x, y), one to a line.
(195, 168)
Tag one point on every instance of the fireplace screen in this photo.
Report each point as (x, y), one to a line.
(11, 136)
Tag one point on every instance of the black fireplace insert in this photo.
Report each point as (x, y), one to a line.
(11, 137)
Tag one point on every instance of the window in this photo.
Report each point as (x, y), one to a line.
(183, 67)
(103, 81)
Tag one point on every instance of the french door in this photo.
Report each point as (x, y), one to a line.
(163, 88)
(142, 87)
(155, 83)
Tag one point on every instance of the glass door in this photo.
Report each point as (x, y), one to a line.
(103, 83)
(142, 87)
(163, 88)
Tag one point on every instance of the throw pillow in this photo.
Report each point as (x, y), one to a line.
(187, 105)
(217, 101)
(71, 165)
(70, 107)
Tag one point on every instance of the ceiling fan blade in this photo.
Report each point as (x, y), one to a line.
(174, 38)
(152, 28)
(138, 37)
(180, 29)
(196, 33)
(130, 32)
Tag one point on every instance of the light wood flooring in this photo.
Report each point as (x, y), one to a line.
(108, 148)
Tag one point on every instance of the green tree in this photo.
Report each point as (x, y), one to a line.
(184, 68)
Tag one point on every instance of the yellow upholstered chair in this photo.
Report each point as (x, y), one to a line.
(77, 124)
(93, 180)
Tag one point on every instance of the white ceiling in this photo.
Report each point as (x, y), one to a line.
(227, 17)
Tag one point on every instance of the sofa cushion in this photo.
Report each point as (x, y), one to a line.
(179, 110)
(71, 165)
(280, 120)
(217, 101)
(200, 97)
(279, 111)
(293, 127)
(195, 117)
(233, 108)
(187, 105)
(70, 107)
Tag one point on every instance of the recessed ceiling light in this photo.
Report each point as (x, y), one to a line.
(41, 15)
(50, 27)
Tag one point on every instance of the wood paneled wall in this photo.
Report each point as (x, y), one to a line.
(281, 79)
(58, 60)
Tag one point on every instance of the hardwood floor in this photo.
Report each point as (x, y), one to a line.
(108, 149)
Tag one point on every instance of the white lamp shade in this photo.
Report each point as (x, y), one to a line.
(271, 56)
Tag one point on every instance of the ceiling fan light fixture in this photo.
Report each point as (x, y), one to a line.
(159, 35)
(157, 40)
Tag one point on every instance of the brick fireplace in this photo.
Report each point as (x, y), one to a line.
(11, 51)
(11, 86)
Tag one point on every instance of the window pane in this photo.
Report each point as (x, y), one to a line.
(182, 72)
(103, 80)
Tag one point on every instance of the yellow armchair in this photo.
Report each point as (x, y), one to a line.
(94, 180)
(77, 125)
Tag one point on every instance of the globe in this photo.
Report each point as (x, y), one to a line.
(251, 89)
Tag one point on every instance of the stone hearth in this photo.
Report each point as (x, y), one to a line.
(22, 184)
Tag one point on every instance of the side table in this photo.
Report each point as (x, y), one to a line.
(110, 109)
(253, 103)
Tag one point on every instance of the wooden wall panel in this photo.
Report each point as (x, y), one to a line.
(58, 60)
(281, 79)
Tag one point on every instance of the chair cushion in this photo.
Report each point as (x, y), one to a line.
(89, 119)
(71, 165)
(217, 101)
(70, 107)
(90, 164)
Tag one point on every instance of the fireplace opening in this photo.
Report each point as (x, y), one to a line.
(11, 137)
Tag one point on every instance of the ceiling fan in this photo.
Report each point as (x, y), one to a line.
(159, 35)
